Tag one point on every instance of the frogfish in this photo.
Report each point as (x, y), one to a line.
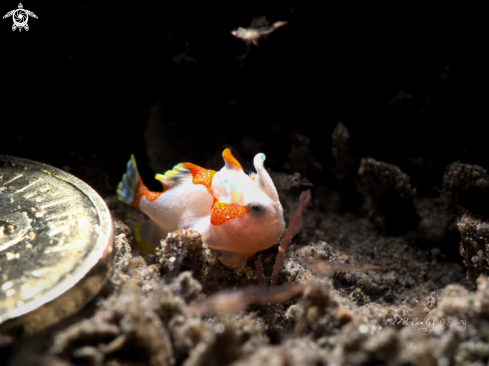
(236, 214)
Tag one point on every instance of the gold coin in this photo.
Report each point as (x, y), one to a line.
(56, 244)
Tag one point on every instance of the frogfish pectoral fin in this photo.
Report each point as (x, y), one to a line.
(233, 259)
(148, 235)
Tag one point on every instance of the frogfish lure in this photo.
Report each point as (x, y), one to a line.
(236, 214)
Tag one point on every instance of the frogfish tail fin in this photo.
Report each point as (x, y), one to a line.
(128, 186)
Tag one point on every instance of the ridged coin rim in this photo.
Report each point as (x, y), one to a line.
(97, 263)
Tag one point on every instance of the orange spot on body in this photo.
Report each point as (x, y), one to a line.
(230, 159)
(201, 175)
(222, 212)
(142, 190)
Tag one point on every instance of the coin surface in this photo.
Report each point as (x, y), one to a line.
(56, 244)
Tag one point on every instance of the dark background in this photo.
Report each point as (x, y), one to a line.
(77, 87)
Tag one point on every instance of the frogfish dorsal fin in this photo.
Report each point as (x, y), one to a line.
(263, 179)
(230, 160)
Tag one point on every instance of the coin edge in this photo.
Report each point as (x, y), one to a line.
(99, 258)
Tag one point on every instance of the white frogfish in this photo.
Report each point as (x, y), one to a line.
(236, 214)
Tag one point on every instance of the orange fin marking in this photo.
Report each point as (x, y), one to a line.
(229, 158)
(222, 212)
(201, 175)
(141, 191)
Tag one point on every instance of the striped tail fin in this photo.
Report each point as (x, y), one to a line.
(128, 186)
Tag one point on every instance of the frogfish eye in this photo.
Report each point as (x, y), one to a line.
(256, 209)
